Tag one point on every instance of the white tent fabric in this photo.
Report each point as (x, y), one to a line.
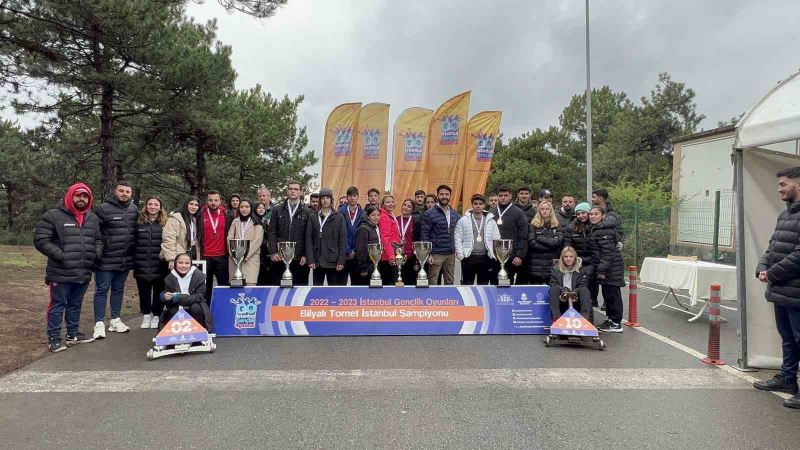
(776, 118)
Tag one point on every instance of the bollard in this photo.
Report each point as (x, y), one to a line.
(633, 308)
(713, 328)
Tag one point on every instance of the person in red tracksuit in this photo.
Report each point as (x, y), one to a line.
(213, 248)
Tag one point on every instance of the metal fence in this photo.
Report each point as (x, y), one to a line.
(698, 219)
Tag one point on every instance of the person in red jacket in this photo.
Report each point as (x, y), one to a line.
(390, 234)
(214, 248)
(406, 222)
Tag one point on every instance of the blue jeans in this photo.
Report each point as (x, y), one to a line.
(65, 301)
(787, 320)
(102, 282)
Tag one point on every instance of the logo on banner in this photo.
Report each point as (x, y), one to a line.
(450, 125)
(523, 299)
(344, 139)
(246, 308)
(505, 299)
(414, 141)
(372, 143)
(485, 143)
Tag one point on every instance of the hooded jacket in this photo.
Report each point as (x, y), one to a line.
(390, 234)
(781, 261)
(544, 245)
(608, 265)
(118, 226)
(581, 242)
(72, 245)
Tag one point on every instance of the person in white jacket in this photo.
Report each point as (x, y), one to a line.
(474, 235)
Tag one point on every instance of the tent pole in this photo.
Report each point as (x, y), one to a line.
(741, 285)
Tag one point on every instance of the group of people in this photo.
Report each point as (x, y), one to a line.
(116, 237)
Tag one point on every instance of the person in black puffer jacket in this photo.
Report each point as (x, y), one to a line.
(544, 244)
(185, 286)
(577, 235)
(288, 223)
(608, 266)
(69, 235)
(118, 217)
(148, 268)
(779, 268)
(367, 233)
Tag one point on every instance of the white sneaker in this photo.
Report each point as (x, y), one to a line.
(117, 326)
(154, 322)
(99, 330)
(146, 320)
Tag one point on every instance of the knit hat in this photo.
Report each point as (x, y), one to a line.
(582, 207)
(325, 192)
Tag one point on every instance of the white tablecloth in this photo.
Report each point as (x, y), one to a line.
(694, 276)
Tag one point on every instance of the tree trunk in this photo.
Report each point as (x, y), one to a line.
(202, 177)
(10, 205)
(108, 176)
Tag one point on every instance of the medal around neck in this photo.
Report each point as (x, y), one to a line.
(286, 251)
(422, 250)
(375, 251)
(238, 249)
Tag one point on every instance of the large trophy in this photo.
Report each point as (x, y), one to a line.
(375, 251)
(502, 250)
(422, 249)
(238, 249)
(399, 260)
(286, 252)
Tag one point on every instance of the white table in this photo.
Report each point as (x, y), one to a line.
(694, 276)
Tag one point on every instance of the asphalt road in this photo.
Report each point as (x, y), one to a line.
(395, 392)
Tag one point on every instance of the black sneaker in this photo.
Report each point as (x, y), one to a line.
(777, 384)
(610, 327)
(78, 338)
(56, 345)
(793, 402)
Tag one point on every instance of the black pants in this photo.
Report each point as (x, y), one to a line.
(594, 290)
(479, 266)
(264, 274)
(787, 320)
(388, 273)
(299, 273)
(334, 277)
(557, 307)
(149, 296)
(216, 267)
(612, 296)
(409, 273)
(532, 279)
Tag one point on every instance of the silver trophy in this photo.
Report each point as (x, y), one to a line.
(422, 250)
(399, 260)
(502, 249)
(238, 249)
(286, 252)
(375, 251)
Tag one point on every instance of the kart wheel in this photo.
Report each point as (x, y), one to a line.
(213, 347)
(547, 341)
(601, 345)
(150, 356)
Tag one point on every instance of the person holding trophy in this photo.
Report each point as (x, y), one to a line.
(288, 224)
(390, 234)
(248, 228)
(367, 234)
(326, 242)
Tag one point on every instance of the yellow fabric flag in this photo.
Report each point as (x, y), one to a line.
(410, 151)
(371, 148)
(447, 143)
(482, 132)
(337, 152)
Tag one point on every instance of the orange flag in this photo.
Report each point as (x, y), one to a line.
(448, 143)
(410, 151)
(371, 148)
(482, 132)
(337, 152)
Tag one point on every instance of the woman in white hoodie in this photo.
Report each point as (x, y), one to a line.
(474, 236)
(186, 286)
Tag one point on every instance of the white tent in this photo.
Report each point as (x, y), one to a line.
(773, 120)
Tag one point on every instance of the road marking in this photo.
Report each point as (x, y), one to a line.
(360, 380)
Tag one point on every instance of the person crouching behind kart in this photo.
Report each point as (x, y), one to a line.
(186, 286)
(568, 276)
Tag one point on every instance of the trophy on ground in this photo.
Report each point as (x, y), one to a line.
(422, 249)
(399, 259)
(286, 252)
(238, 249)
(375, 251)
(502, 249)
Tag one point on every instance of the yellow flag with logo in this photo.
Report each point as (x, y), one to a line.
(410, 151)
(447, 134)
(482, 132)
(337, 151)
(371, 148)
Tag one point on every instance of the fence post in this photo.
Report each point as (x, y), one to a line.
(715, 242)
(713, 328)
(633, 297)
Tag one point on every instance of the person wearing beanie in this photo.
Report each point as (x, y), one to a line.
(578, 236)
(69, 235)
(326, 242)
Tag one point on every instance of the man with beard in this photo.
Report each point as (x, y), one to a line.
(513, 224)
(288, 224)
(566, 214)
(214, 248)
(117, 216)
(524, 202)
(69, 235)
(313, 202)
(437, 226)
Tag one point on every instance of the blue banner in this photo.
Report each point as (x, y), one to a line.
(355, 311)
